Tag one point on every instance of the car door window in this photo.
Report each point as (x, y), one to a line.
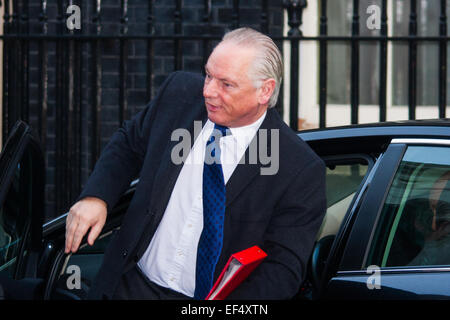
(12, 225)
(414, 223)
(343, 179)
(20, 208)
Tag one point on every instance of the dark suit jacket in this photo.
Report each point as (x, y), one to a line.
(281, 213)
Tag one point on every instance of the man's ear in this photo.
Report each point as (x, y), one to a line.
(266, 91)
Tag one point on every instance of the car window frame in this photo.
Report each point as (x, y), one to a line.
(344, 159)
(342, 280)
(361, 236)
(408, 142)
(375, 191)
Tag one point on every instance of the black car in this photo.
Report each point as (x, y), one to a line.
(385, 235)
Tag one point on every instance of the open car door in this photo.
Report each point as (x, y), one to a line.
(22, 175)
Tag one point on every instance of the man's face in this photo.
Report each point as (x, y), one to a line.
(230, 97)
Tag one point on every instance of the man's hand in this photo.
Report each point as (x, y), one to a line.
(87, 213)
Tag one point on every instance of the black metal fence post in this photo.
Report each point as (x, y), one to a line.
(354, 84)
(59, 115)
(265, 16)
(75, 132)
(323, 66)
(412, 62)
(235, 15)
(383, 61)
(151, 31)
(6, 72)
(70, 144)
(96, 83)
(206, 44)
(43, 76)
(16, 82)
(25, 58)
(178, 31)
(295, 10)
(123, 102)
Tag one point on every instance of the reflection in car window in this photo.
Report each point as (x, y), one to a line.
(11, 225)
(414, 228)
(342, 182)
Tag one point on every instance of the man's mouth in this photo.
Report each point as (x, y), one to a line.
(211, 107)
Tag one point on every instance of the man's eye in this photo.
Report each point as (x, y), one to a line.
(228, 85)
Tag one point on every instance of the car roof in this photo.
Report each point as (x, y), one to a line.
(372, 138)
(400, 129)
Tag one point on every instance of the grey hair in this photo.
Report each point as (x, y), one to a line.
(268, 61)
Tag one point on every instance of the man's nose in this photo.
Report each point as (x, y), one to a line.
(210, 88)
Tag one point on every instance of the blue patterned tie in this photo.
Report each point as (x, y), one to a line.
(210, 243)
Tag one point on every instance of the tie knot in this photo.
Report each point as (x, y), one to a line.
(223, 130)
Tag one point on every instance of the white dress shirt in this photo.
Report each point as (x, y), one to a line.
(170, 259)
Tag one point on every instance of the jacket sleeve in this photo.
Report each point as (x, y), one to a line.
(122, 158)
(289, 238)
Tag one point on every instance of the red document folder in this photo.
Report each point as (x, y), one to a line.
(238, 267)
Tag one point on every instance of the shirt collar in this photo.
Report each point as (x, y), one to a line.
(245, 134)
(242, 135)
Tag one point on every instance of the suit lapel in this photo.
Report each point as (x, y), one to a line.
(168, 173)
(250, 165)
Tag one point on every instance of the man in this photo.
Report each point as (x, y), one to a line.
(161, 251)
(433, 224)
